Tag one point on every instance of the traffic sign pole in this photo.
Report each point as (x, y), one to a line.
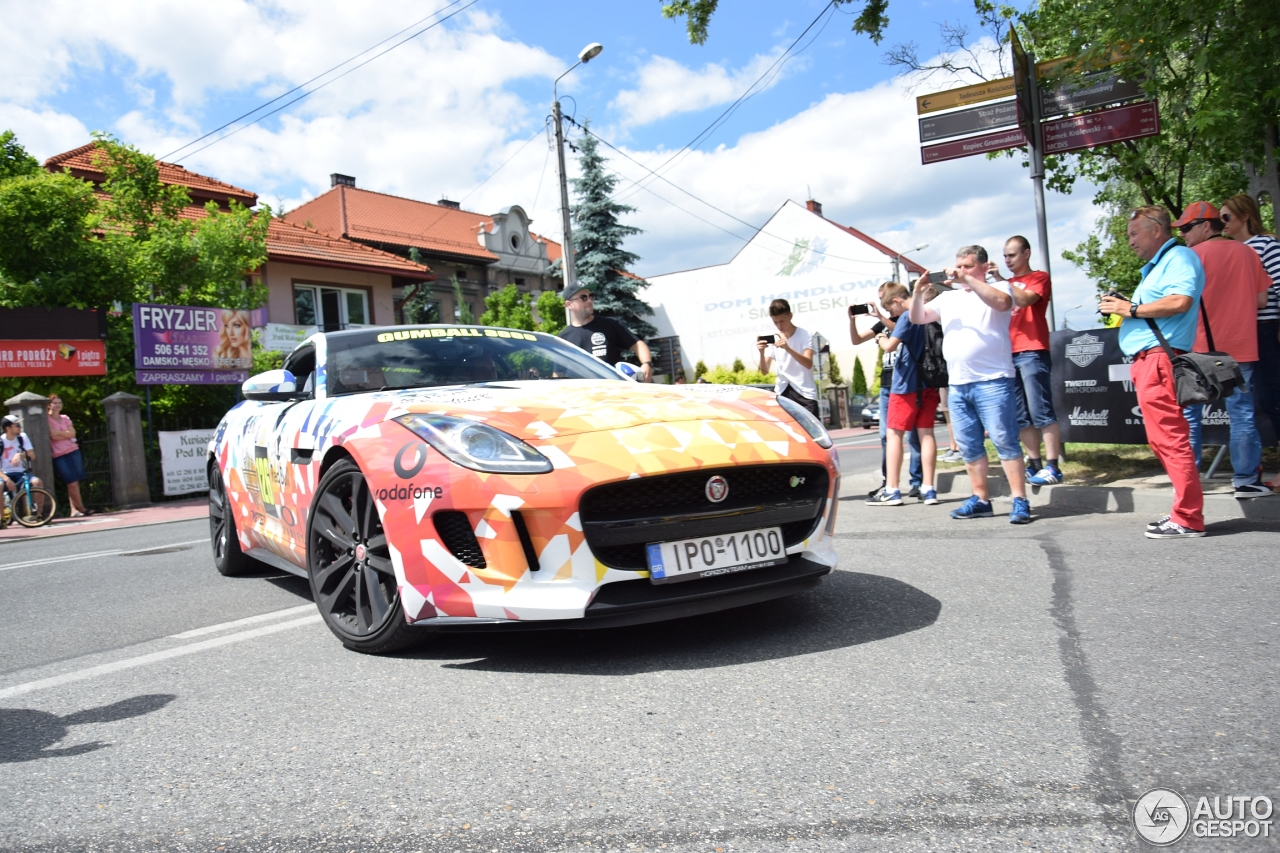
(1036, 149)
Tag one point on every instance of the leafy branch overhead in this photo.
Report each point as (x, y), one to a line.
(871, 21)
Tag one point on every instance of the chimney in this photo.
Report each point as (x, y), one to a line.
(814, 206)
(336, 180)
(444, 202)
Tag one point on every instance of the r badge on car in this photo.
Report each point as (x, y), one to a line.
(717, 489)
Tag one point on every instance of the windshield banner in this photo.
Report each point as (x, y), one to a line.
(198, 345)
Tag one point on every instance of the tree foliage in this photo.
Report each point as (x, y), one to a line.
(551, 317)
(510, 309)
(871, 21)
(859, 377)
(600, 261)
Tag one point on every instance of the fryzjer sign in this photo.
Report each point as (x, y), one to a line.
(1094, 397)
(997, 141)
(53, 358)
(1087, 92)
(1105, 126)
(964, 122)
(188, 345)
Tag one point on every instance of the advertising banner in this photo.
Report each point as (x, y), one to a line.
(53, 358)
(282, 337)
(183, 460)
(1094, 397)
(206, 345)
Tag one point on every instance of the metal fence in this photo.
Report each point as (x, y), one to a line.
(95, 489)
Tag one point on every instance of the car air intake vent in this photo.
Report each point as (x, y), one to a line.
(456, 534)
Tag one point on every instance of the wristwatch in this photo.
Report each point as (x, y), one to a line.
(1133, 310)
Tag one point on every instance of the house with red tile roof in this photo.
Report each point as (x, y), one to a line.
(485, 252)
(312, 277)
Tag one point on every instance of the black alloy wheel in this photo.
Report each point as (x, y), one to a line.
(227, 556)
(349, 565)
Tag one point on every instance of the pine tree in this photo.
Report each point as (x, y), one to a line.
(599, 259)
(859, 377)
(833, 370)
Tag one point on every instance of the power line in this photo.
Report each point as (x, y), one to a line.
(322, 85)
(749, 93)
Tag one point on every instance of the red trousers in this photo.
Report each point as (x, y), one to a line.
(1169, 434)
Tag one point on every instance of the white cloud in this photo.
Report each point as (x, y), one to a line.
(666, 87)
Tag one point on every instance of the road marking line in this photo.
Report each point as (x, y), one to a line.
(249, 620)
(154, 657)
(117, 552)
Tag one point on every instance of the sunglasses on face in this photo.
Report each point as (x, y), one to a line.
(1136, 214)
(1190, 226)
(1226, 217)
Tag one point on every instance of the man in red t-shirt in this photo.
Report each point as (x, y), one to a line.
(1235, 287)
(1029, 335)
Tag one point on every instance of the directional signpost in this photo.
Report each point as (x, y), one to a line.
(1088, 92)
(975, 94)
(998, 141)
(1101, 128)
(965, 122)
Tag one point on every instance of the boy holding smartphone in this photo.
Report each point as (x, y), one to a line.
(793, 353)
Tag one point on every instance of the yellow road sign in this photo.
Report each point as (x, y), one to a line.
(964, 96)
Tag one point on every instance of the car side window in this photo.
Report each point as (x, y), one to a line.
(302, 364)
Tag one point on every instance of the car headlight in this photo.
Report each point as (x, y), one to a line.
(811, 425)
(477, 446)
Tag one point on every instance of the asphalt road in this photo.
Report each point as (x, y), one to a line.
(954, 685)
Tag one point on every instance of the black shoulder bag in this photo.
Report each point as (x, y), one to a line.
(1201, 377)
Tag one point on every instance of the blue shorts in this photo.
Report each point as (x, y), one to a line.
(70, 467)
(1034, 389)
(989, 406)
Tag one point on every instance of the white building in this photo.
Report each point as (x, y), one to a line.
(819, 266)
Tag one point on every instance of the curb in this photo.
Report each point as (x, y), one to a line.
(1153, 501)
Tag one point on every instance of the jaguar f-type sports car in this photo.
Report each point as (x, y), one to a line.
(452, 477)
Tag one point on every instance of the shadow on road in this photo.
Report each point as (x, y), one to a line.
(849, 609)
(26, 734)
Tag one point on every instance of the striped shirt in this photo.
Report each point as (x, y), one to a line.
(1268, 249)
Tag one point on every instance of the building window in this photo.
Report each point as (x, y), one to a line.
(519, 282)
(330, 308)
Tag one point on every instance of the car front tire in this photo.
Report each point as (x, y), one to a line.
(349, 566)
(227, 556)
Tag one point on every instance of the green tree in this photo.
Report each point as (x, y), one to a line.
(871, 21)
(738, 366)
(833, 370)
(14, 159)
(421, 308)
(699, 370)
(551, 318)
(599, 259)
(509, 308)
(464, 314)
(859, 377)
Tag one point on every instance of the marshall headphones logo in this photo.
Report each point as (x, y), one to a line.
(717, 489)
(1083, 349)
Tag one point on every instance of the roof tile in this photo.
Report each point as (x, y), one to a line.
(81, 163)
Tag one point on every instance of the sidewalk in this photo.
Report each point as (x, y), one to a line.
(158, 514)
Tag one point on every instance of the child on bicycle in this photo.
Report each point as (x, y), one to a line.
(16, 455)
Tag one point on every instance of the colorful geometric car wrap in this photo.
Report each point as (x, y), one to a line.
(272, 456)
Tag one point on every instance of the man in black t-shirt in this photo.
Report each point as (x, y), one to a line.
(604, 338)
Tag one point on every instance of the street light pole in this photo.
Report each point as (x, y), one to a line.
(588, 53)
(898, 258)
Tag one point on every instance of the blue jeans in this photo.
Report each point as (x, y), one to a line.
(1246, 444)
(1034, 390)
(916, 468)
(990, 406)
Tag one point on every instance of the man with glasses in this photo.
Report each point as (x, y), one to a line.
(1029, 336)
(1172, 281)
(603, 337)
(1235, 287)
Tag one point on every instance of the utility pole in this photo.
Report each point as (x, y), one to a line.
(1036, 144)
(587, 54)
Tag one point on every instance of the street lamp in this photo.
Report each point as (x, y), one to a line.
(898, 257)
(587, 54)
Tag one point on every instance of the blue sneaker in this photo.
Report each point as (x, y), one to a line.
(974, 507)
(1021, 512)
(887, 497)
(929, 496)
(1046, 476)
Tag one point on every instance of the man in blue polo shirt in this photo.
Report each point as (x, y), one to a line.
(1169, 295)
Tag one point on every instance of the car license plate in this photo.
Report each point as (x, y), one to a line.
(709, 556)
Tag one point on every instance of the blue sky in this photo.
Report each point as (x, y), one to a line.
(435, 117)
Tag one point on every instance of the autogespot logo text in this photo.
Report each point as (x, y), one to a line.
(1162, 817)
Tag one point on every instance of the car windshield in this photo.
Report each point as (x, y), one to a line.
(428, 356)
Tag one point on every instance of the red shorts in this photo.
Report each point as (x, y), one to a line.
(913, 411)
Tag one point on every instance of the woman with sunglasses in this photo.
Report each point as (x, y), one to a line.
(1241, 220)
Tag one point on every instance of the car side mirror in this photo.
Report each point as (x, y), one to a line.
(274, 386)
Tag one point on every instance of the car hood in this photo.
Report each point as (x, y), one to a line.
(547, 409)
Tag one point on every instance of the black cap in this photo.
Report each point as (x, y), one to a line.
(8, 421)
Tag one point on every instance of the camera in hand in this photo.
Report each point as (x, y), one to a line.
(768, 339)
(1114, 294)
(854, 310)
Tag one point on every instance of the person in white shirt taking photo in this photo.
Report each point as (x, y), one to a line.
(792, 352)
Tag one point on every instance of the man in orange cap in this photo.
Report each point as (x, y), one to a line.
(1235, 287)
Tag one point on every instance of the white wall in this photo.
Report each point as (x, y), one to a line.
(819, 268)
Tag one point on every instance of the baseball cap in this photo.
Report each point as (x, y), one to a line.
(8, 421)
(1195, 212)
(573, 290)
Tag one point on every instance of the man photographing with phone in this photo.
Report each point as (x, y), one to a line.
(975, 343)
(792, 351)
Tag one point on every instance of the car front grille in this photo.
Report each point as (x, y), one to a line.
(620, 518)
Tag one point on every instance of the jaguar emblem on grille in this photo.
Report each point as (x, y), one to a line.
(717, 489)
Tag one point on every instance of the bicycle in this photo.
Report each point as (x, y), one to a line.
(31, 506)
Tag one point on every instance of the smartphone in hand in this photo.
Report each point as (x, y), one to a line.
(855, 310)
(768, 339)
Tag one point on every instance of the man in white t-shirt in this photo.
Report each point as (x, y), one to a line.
(792, 352)
(16, 454)
(974, 313)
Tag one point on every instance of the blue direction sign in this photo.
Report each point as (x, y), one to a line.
(965, 122)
